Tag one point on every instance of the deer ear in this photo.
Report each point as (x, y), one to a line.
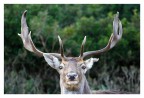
(51, 60)
(90, 62)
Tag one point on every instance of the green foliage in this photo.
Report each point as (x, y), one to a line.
(118, 69)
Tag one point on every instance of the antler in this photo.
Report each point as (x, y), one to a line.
(61, 48)
(82, 47)
(115, 37)
(26, 38)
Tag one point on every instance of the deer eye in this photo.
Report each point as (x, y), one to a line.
(60, 67)
(83, 67)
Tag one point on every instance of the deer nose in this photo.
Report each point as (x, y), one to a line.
(72, 76)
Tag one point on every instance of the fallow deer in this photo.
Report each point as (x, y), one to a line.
(71, 69)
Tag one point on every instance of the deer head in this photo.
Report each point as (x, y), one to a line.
(71, 69)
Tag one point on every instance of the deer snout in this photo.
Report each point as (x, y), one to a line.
(72, 76)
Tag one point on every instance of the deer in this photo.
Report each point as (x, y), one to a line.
(72, 70)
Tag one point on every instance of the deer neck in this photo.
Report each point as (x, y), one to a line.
(84, 88)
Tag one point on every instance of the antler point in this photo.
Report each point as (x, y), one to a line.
(25, 12)
(117, 14)
(84, 40)
(19, 34)
(59, 38)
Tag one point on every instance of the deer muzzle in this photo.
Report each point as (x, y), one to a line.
(72, 78)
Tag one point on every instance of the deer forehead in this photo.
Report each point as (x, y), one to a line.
(72, 65)
(72, 61)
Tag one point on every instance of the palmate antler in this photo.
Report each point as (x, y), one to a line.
(27, 41)
(115, 37)
(29, 45)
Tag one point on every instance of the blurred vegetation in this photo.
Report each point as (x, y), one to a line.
(118, 69)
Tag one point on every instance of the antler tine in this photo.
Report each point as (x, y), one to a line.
(117, 31)
(26, 38)
(61, 47)
(115, 37)
(82, 47)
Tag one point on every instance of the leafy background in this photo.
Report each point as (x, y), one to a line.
(118, 69)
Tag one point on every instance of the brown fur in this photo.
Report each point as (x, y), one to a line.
(71, 65)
